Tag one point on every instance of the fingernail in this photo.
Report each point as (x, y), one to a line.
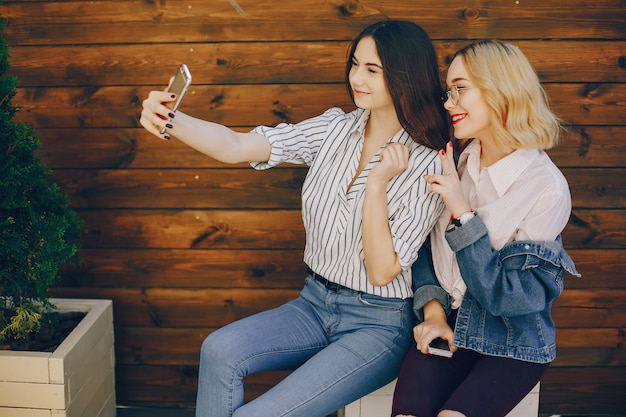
(167, 137)
(169, 125)
(170, 115)
(173, 95)
(450, 143)
(443, 151)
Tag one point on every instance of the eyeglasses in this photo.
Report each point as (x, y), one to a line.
(453, 94)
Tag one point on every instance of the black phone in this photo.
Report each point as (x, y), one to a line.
(179, 86)
(440, 347)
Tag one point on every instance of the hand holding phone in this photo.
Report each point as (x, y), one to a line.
(179, 86)
(440, 347)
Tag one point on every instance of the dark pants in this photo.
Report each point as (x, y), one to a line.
(471, 383)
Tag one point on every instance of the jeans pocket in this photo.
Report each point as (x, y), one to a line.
(393, 304)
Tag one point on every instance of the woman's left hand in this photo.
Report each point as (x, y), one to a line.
(448, 185)
(394, 159)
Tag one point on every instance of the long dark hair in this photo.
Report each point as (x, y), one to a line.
(411, 73)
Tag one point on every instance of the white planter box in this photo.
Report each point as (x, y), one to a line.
(378, 403)
(76, 380)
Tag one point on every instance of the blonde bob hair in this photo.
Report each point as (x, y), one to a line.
(521, 117)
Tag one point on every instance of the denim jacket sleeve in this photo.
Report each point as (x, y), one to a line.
(521, 278)
(425, 284)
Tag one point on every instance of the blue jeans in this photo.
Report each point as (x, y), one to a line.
(341, 345)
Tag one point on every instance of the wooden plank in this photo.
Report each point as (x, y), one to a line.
(25, 412)
(188, 188)
(247, 229)
(264, 268)
(598, 315)
(24, 366)
(591, 299)
(274, 63)
(599, 269)
(590, 146)
(582, 104)
(197, 229)
(583, 390)
(185, 308)
(197, 21)
(121, 148)
(174, 307)
(92, 396)
(594, 229)
(32, 395)
(173, 386)
(581, 146)
(144, 346)
(70, 355)
(597, 308)
(247, 188)
(176, 385)
(590, 347)
(590, 357)
(597, 188)
(197, 268)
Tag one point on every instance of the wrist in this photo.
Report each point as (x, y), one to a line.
(462, 218)
(433, 310)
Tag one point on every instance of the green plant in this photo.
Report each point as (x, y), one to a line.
(38, 230)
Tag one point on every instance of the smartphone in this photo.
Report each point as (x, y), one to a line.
(180, 85)
(440, 347)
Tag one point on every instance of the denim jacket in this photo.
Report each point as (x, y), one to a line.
(506, 310)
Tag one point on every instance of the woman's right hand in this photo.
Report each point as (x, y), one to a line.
(155, 114)
(434, 325)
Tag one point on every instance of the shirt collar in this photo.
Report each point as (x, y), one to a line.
(361, 122)
(504, 172)
(402, 136)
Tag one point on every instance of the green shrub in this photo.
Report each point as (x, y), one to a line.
(38, 230)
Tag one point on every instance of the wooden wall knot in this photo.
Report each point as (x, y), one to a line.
(261, 271)
(592, 90)
(584, 144)
(159, 18)
(216, 101)
(470, 13)
(349, 8)
(281, 111)
(354, 8)
(214, 234)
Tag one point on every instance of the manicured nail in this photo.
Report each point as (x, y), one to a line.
(173, 95)
(170, 115)
(443, 152)
(167, 137)
(169, 125)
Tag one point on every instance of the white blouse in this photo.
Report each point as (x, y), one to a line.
(523, 196)
(331, 145)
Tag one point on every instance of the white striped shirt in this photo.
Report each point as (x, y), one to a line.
(331, 146)
(523, 196)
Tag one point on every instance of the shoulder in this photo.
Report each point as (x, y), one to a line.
(338, 113)
(548, 176)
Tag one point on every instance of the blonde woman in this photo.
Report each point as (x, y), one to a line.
(496, 252)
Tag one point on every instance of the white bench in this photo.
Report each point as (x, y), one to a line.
(378, 404)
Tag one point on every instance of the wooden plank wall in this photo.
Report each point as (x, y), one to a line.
(183, 244)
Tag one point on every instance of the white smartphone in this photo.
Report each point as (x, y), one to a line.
(180, 85)
(440, 347)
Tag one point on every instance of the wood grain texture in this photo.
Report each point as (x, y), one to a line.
(184, 244)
